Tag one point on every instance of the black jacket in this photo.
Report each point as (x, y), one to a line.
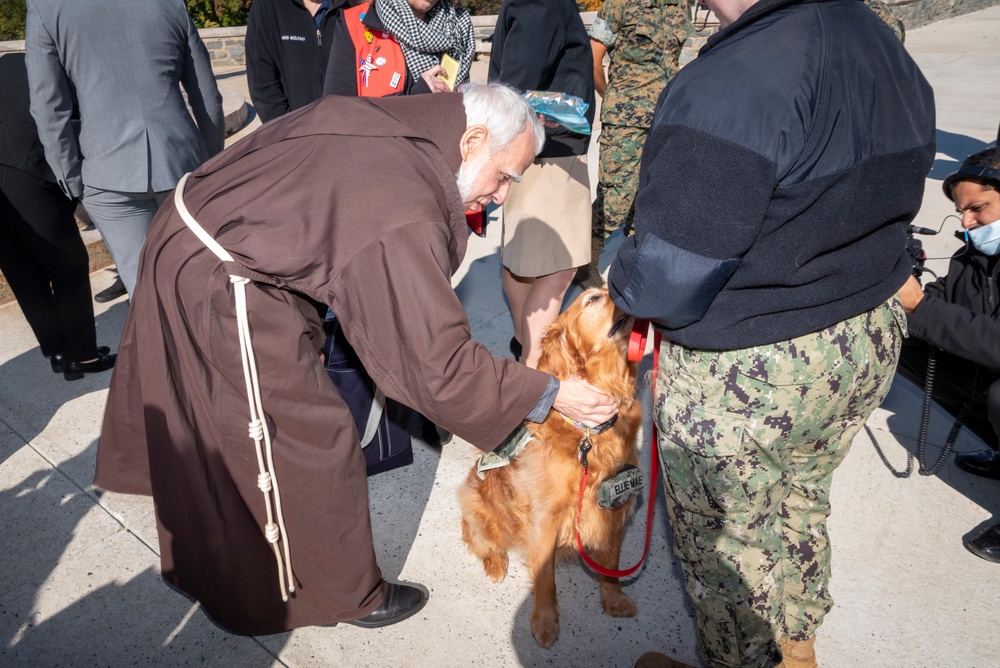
(960, 312)
(286, 55)
(20, 146)
(779, 175)
(543, 45)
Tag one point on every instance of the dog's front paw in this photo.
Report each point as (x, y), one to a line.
(495, 565)
(619, 604)
(545, 626)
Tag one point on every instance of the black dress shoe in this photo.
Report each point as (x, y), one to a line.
(516, 348)
(986, 544)
(75, 370)
(434, 435)
(401, 601)
(985, 463)
(114, 291)
(58, 360)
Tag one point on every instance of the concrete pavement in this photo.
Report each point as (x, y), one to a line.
(79, 579)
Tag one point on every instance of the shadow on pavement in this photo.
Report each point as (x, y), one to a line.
(957, 147)
(903, 402)
(119, 615)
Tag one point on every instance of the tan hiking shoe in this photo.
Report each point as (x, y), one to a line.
(798, 653)
(657, 660)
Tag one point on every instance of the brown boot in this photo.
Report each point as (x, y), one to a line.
(798, 653)
(657, 660)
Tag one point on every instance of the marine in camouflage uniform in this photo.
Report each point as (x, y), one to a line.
(750, 439)
(885, 13)
(644, 40)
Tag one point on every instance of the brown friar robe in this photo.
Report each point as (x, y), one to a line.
(351, 203)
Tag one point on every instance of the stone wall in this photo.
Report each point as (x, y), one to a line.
(916, 13)
(225, 45)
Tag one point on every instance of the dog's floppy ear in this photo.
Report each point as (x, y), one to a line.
(612, 373)
(558, 356)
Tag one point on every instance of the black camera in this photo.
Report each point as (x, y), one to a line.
(915, 248)
(917, 256)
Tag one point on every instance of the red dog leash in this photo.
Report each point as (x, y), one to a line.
(636, 349)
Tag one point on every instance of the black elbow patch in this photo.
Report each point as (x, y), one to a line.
(672, 286)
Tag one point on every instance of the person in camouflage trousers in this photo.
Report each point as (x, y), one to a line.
(751, 439)
(644, 40)
(776, 187)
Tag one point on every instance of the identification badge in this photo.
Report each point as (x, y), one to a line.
(506, 452)
(394, 82)
(619, 489)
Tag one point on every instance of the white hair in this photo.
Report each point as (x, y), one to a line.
(503, 112)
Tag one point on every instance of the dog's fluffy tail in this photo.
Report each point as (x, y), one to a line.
(492, 523)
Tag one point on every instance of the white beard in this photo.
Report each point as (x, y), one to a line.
(468, 174)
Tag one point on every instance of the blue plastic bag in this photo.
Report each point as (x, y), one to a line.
(567, 110)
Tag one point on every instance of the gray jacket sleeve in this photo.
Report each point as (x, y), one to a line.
(203, 93)
(52, 105)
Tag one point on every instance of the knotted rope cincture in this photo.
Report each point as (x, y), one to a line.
(267, 481)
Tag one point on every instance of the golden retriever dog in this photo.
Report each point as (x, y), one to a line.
(532, 502)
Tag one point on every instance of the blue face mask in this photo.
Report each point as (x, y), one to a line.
(986, 239)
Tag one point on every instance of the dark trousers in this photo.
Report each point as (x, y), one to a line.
(958, 382)
(45, 262)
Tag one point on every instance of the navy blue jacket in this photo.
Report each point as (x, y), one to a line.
(543, 45)
(781, 170)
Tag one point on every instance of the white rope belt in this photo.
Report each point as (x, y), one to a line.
(267, 481)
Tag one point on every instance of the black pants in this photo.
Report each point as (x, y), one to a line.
(45, 262)
(958, 382)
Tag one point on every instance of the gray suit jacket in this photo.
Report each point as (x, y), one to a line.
(104, 80)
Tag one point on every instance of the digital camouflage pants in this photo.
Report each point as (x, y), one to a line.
(617, 179)
(749, 441)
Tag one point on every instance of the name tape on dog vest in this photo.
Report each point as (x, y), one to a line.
(619, 489)
(504, 453)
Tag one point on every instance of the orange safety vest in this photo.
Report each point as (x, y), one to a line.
(379, 59)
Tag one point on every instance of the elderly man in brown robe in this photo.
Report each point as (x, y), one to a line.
(351, 203)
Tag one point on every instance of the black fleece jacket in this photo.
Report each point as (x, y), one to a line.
(781, 170)
(286, 54)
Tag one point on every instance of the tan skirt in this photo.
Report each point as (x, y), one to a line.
(546, 218)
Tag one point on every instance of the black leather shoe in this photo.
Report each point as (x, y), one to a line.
(58, 360)
(985, 463)
(401, 601)
(516, 348)
(434, 435)
(986, 544)
(75, 370)
(114, 291)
